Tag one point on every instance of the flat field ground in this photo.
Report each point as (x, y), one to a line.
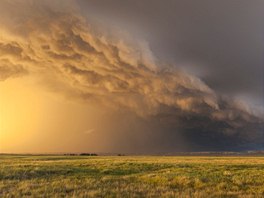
(124, 176)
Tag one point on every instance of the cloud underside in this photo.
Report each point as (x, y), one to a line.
(98, 68)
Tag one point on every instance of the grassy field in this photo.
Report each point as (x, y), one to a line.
(84, 176)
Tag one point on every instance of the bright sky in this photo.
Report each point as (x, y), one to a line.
(33, 119)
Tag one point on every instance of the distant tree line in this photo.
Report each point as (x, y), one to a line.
(81, 154)
(88, 154)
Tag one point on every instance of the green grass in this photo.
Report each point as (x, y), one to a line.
(83, 176)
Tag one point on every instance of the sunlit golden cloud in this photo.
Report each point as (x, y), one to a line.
(95, 66)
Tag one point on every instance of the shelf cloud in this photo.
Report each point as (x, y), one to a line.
(82, 61)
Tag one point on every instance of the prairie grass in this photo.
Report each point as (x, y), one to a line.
(123, 176)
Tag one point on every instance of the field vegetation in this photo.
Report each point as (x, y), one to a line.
(124, 176)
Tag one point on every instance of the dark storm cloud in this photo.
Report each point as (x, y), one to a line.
(170, 109)
(221, 41)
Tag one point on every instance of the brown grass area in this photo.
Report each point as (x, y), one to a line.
(143, 176)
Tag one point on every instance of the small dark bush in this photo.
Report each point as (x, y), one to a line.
(88, 154)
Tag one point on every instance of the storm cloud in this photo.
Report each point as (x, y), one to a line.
(220, 41)
(169, 107)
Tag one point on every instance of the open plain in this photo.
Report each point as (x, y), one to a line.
(135, 176)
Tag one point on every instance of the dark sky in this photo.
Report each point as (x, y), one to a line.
(221, 42)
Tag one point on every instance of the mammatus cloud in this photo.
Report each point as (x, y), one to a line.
(100, 68)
